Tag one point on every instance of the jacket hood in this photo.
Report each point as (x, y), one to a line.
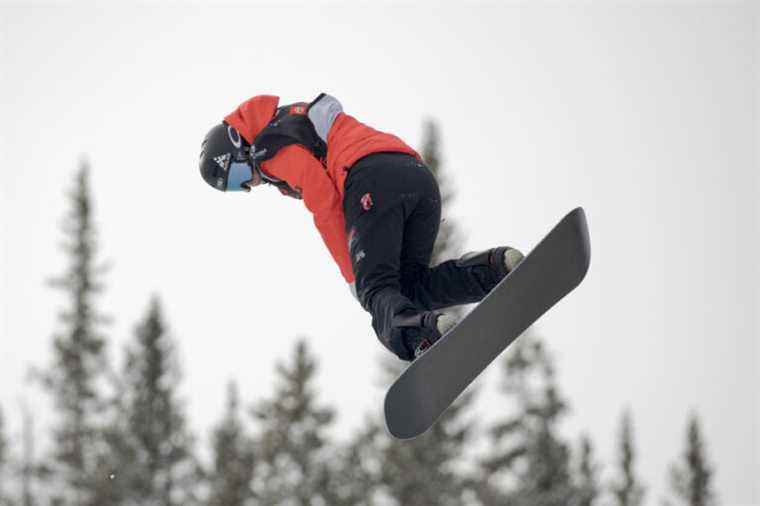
(253, 115)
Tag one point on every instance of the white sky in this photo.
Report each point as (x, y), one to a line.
(646, 116)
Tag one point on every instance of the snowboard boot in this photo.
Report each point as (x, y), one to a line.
(512, 257)
(422, 330)
(500, 260)
(435, 326)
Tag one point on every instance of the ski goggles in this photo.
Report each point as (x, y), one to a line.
(239, 173)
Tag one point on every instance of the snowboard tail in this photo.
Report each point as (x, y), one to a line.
(434, 380)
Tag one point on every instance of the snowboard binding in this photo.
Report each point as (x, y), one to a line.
(422, 330)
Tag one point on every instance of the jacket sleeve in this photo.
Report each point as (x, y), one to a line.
(302, 171)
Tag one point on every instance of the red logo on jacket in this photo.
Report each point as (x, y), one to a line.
(366, 201)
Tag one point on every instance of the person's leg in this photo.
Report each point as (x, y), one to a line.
(379, 197)
(454, 282)
(392, 210)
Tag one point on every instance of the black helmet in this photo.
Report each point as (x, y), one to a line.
(225, 163)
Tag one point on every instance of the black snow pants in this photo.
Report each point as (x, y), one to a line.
(392, 207)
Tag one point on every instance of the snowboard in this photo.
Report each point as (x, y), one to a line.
(436, 378)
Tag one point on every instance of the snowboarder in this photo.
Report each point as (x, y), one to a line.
(374, 201)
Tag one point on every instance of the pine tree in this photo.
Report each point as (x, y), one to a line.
(587, 474)
(425, 469)
(76, 378)
(529, 462)
(448, 243)
(292, 442)
(691, 478)
(29, 470)
(5, 499)
(163, 470)
(357, 468)
(627, 489)
(233, 457)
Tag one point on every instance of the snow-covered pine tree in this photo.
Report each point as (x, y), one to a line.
(233, 457)
(691, 477)
(5, 499)
(587, 474)
(448, 244)
(358, 467)
(76, 378)
(294, 451)
(426, 469)
(529, 462)
(627, 490)
(29, 469)
(164, 470)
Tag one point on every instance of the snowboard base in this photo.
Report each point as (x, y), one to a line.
(434, 380)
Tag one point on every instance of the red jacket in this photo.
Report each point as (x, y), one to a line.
(348, 140)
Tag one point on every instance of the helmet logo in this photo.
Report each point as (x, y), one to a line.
(223, 161)
(234, 136)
